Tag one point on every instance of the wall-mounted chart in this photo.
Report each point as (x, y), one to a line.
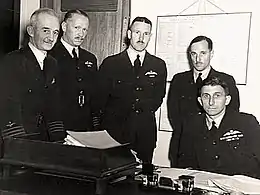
(230, 33)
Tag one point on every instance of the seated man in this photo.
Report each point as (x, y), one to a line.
(220, 140)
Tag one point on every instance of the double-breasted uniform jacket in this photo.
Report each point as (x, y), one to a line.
(182, 103)
(78, 85)
(29, 100)
(233, 148)
(130, 100)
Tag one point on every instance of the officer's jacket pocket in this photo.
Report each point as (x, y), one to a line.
(121, 87)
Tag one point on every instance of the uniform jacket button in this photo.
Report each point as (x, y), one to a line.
(217, 157)
(30, 90)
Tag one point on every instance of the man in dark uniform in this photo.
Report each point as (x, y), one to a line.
(29, 94)
(78, 69)
(182, 98)
(134, 87)
(220, 140)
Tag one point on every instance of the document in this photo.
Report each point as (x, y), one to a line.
(91, 139)
(238, 183)
(214, 182)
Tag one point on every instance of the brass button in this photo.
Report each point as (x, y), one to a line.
(137, 99)
(217, 157)
(79, 79)
(214, 142)
(30, 90)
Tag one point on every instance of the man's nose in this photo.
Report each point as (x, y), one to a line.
(52, 36)
(141, 37)
(81, 33)
(211, 101)
(198, 58)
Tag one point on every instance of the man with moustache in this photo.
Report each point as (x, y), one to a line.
(182, 98)
(133, 85)
(28, 83)
(78, 72)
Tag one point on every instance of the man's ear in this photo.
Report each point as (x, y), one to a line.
(211, 54)
(63, 26)
(228, 99)
(129, 34)
(199, 100)
(30, 30)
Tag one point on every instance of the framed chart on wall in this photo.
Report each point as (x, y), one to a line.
(230, 33)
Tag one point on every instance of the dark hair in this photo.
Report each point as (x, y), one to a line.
(213, 81)
(202, 38)
(141, 19)
(70, 13)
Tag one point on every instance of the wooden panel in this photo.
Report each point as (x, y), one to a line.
(89, 5)
(10, 24)
(107, 31)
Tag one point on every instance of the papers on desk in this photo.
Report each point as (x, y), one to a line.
(238, 183)
(91, 139)
(214, 182)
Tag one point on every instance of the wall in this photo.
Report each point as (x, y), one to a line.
(27, 7)
(249, 93)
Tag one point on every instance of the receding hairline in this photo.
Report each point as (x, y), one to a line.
(71, 13)
(141, 19)
(35, 16)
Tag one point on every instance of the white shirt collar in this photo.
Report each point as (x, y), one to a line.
(69, 47)
(39, 54)
(132, 55)
(216, 120)
(204, 75)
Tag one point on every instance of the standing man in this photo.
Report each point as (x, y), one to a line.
(182, 99)
(134, 87)
(78, 69)
(220, 140)
(28, 83)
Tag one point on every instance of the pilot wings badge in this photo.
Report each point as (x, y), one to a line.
(151, 74)
(231, 135)
(88, 64)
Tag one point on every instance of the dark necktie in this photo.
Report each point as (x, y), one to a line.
(75, 56)
(137, 64)
(199, 80)
(213, 128)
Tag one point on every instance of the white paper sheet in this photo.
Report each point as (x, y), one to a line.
(239, 183)
(94, 139)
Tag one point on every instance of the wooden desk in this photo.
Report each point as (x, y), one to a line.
(31, 184)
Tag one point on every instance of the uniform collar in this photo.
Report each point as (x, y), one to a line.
(69, 47)
(204, 75)
(39, 54)
(216, 120)
(133, 53)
